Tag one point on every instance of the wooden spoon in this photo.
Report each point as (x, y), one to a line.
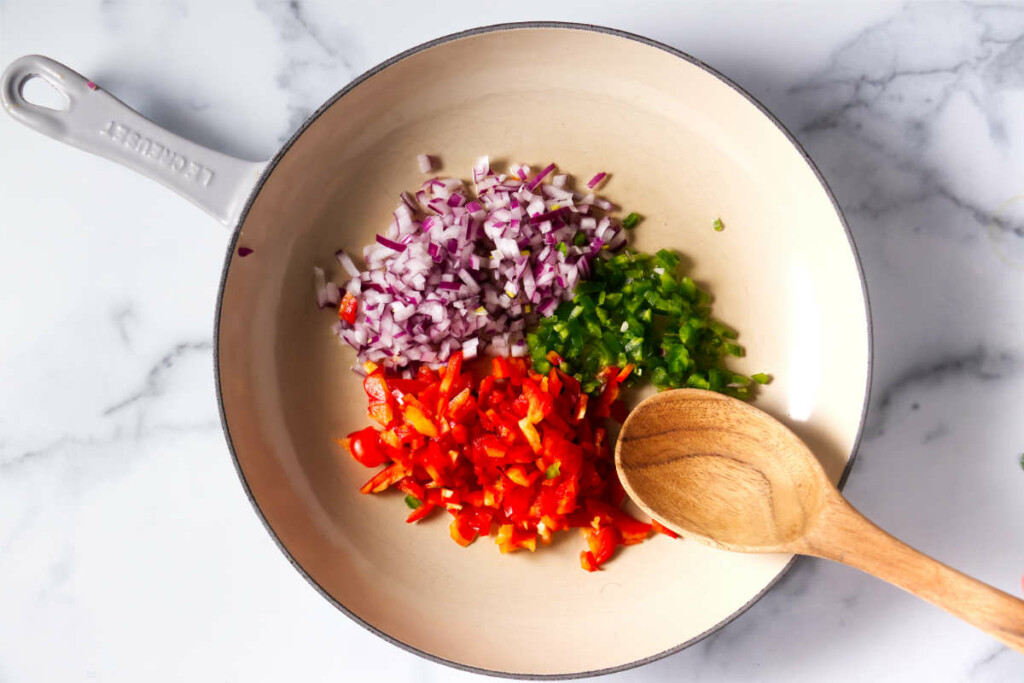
(722, 472)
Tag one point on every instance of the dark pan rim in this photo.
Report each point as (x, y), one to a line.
(384, 65)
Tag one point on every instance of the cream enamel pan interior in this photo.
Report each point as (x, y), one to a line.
(683, 147)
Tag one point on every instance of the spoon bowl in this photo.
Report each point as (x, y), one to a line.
(720, 471)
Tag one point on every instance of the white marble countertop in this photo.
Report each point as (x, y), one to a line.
(128, 551)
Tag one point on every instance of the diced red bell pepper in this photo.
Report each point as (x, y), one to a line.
(426, 374)
(502, 369)
(581, 407)
(601, 543)
(420, 513)
(348, 308)
(406, 386)
(565, 496)
(662, 529)
(451, 374)
(531, 434)
(493, 447)
(391, 438)
(384, 479)
(382, 412)
(587, 561)
(412, 487)
(624, 373)
(504, 538)
(483, 450)
(460, 434)
(461, 406)
(419, 420)
(509, 539)
(376, 387)
(480, 520)
(633, 531)
(462, 529)
(540, 403)
(554, 382)
(515, 500)
(519, 475)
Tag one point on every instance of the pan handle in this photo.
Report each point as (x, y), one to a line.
(100, 123)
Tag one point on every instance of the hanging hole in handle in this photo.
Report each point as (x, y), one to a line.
(40, 92)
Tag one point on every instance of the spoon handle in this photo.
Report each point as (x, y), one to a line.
(846, 536)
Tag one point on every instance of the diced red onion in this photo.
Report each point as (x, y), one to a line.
(596, 180)
(457, 271)
(346, 262)
(390, 244)
(539, 177)
(426, 163)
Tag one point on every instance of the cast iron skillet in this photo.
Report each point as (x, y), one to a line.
(683, 146)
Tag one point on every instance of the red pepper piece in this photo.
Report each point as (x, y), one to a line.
(406, 386)
(540, 403)
(480, 520)
(462, 406)
(554, 382)
(462, 529)
(602, 543)
(420, 513)
(581, 407)
(384, 479)
(451, 374)
(412, 487)
(515, 500)
(661, 529)
(425, 374)
(419, 420)
(587, 561)
(382, 412)
(531, 434)
(348, 308)
(565, 496)
(501, 368)
(519, 475)
(376, 387)
(626, 371)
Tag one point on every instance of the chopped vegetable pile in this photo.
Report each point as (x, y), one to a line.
(637, 309)
(454, 272)
(518, 455)
(539, 276)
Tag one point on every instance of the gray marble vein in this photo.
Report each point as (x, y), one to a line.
(153, 385)
(317, 56)
(980, 364)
